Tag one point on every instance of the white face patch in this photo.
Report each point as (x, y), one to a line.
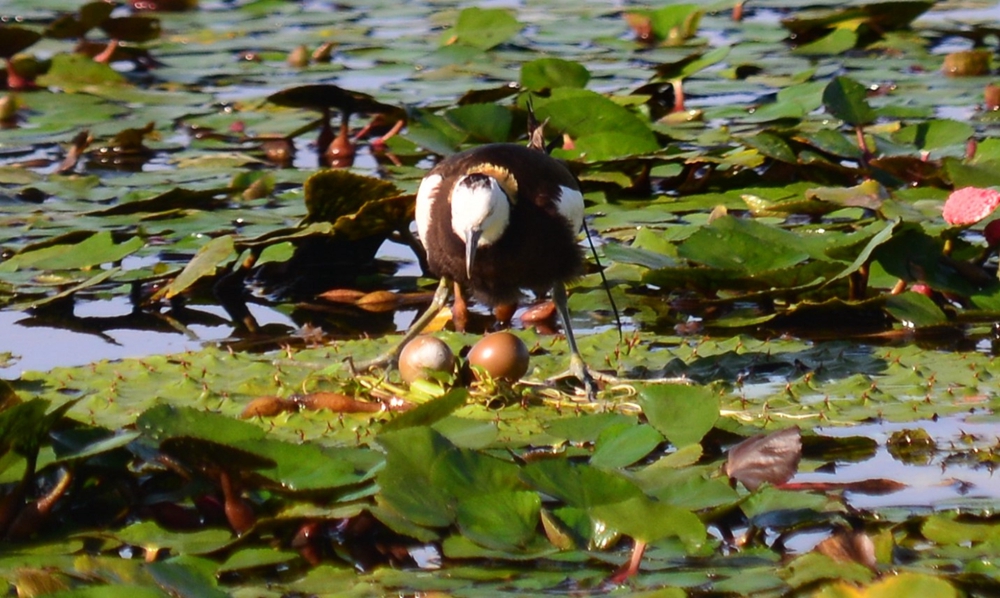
(425, 196)
(570, 205)
(480, 205)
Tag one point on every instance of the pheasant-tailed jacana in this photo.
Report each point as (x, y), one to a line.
(497, 219)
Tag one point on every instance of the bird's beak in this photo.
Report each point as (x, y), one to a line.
(471, 243)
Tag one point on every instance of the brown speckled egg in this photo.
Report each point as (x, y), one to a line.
(422, 354)
(502, 355)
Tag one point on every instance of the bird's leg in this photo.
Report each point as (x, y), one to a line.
(389, 358)
(460, 310)
(577, 366)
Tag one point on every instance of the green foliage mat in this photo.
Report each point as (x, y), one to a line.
(767, 170)
(483, 479)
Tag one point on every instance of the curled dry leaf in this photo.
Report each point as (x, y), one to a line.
(267, 407)
(378, 301)
(334, 401)
(772, 458)
(342, 295)
(872, 487)
(299, 57)
(849, 547)
(539, 312)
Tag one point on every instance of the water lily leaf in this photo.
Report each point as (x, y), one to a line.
(167, 421)
(692, 488)
(324, 95)
(22, 427)
(691, 63)
(935, 134)
(187, 576)
(649, 520)
(578, 485)
(622, 445)
(846, 99)
(672, 24)
(914, 310)
(148, 534)
(485, 28)
(904, 584)
(16, 39)
(410, 454)
(250, 558)
(878, 17)
(112, 591)
(744, 245)
(175, 199)
(91, 15)
(430, 412)
(500, 520)
(434, 132)
(582, 113)
(914, 256)
(464, 472)
(586, 428)
(869, 195)
(201, 453)
(684, 414)
(625, 254)
(213, 255)
(134, 28)
(99, 447)
(980, 174)
(95, 250)
(770, 145)
(831, 142)
(944, 529)
(73, 288)
(307, 467)
(330, 194)
(834, 43)
(485, 123)
(76, 73)
(813, 566)
(549, 73)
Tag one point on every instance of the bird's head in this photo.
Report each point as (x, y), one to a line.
(480, 212)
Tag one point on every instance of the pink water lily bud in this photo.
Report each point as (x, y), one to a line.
(969, 205)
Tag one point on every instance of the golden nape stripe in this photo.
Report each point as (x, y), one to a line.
(503, 176)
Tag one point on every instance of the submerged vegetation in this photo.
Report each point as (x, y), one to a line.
(793, 203)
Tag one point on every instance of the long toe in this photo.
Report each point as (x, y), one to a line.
(579, 369)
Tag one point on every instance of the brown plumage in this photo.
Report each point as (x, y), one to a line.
(538, 247)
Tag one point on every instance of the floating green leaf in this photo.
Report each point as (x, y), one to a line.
(846, 99)
(485, 28)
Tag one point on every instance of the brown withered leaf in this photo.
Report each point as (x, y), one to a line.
(267, 407)
(342, 295)
(540, 312)
(849, 547)
(772, 458)
(334, 401)
(81, 141)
